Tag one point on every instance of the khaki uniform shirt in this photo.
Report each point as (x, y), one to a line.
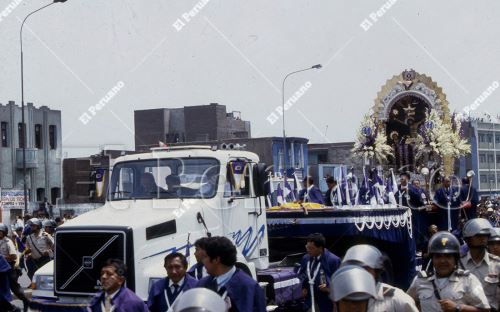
(391, 299)
(7, 248)
(39, 244)
(461, 287)
(487, 271)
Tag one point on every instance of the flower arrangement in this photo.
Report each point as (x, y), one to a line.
(370, 142)
(440, 138)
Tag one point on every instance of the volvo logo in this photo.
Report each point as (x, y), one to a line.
(88, 262)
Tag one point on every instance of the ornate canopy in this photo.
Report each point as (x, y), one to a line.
(400, 110)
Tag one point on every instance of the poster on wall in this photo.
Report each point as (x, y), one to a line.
(11, 199)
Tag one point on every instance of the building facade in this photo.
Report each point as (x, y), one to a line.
(484, 138)
(42, 144)
(270, 152)
(324, 158)
(201, 123)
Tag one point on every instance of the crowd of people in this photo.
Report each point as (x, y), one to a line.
(455, 233)
(25, 247)
(459, 277)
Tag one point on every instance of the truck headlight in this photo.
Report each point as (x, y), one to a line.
(153, 280)
(44, 282)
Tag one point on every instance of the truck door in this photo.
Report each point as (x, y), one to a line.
(245, 221)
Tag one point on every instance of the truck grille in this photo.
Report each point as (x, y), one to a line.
(81, 253)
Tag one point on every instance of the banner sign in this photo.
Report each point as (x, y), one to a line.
(12, 199)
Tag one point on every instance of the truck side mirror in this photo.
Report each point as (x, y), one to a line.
(259, 179)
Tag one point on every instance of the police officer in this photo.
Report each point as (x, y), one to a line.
(387, 298)
(494, 242)
(8, 251)
(485, 266)
(447, 288)
(39, 247)
(353, 289)
(49, 226)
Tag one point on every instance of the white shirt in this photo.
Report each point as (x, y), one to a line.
(171, 284)
(224, 278)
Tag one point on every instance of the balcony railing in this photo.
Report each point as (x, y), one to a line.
(31, 158)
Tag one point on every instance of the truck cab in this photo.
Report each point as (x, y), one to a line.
(157, 203)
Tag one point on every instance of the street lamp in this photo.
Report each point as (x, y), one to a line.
(317, 66)
(23, 126)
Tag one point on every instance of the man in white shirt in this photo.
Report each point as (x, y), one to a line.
(8, 251)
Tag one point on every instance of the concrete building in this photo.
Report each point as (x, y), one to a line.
(199, 123)
(85, 179)
(324, 158)
(42, 149)
(270, 151)
(484, 138)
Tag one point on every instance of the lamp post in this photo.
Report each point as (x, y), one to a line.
(317, 66)
(23, 126)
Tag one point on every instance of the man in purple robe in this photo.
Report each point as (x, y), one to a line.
(115, 296)
(164, 292)
(198, 271)
(310, 192)
(237, 288)
(316, 268)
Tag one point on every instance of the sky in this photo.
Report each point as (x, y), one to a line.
(236, 53)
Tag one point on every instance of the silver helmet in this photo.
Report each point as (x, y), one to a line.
(495, 235)
(477, 226)
(200, 299)
(4, 229)
(352, 282)
(364, 255)
(35, 221)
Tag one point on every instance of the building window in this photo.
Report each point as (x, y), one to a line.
(20, 133)
(498, 159)
(490, 158)
(482, 158)
(490, 138)
(483, 178)
(5, 142)
(40, 194)
(55, 193)
(323, 158)
(52, 137)
(481, 137)
(38, 136)
(497, 138)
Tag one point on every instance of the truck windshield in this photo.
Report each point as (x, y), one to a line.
(165, 178)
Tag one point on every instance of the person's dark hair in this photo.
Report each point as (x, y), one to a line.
(27, 217)
(405, 174)
(222, 247)
(317, 239)
(201, 243)
(309, 180)
(331, 180)
(465, 180)
(119, 265)
(173, 255)
(58, 219)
